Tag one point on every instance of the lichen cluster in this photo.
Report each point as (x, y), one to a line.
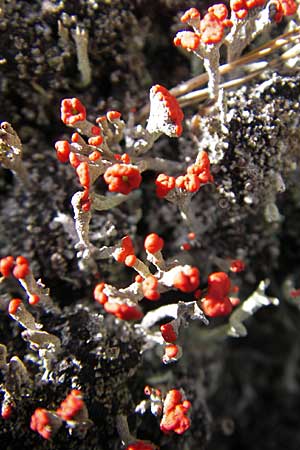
(199, 198)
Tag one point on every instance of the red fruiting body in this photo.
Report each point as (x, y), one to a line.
(218, 284)
(190, 14)
(216, 302)
(21, 269)
(177, 420)
(14, 305)
(71, 406)
(241, 7)
(83, 174)
(85, 205)
(41, 422)
(235, 301)
(213, 24)
(237, 265)
(6, 411)
(211, 27)
(130, 260)
(241, 14)
(94, 156)
(172, 399)
(174, 414)
(33, 299)
(123, 311)
(171, 105)
(203, 161)
(164, 184)
(153, 243)
(212, 30)
(219, 10)
(188, 40)
(284, 8)
(22, 260)
(6, 265)
(289, 7)
(62, 151)
(113, 115)
(125, 158)
(186, 246)
(96, 131)
(122, 178)
(125, 250)
(74, 160)
(168, 332)
(149, 286)
(95, 141)
(72, 111)
(188, 280)
(171, 351)
(201, 168)
(138, 279)
(188, 182)
(279, 11)
(256, 3)
(75, 137)
(101, 119)
(85, 201)
(99, 295)
(215, 307)
(192, 236)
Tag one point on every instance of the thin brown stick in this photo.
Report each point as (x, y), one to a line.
(198, 96)
(202, 94)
